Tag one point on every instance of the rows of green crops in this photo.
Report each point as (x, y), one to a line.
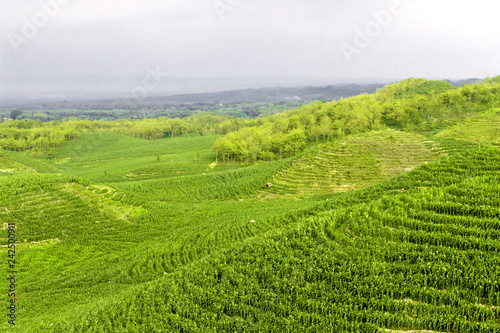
(231, 184)
(122, 234)
(419, 252)
(355, 162)
(78, 248)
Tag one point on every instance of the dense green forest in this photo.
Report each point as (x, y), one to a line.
(375, 213)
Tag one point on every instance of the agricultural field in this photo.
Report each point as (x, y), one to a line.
(420, 257)
(111, 157)
(385, 229)
(354, 163)
(483, 128)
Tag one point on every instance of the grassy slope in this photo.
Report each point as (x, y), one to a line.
(83, 242)
(105, 157)
(482, 128)
(132, 244)
(401, 260)
(353, 163)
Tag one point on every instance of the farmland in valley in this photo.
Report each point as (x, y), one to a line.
(375, 213)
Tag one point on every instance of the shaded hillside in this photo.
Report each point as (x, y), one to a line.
(331, 92)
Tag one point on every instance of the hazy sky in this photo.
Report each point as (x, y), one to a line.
(250, 38)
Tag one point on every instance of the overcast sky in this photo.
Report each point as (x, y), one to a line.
(250, 38)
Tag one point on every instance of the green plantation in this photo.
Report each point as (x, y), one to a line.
(378, 213)
(355, 162)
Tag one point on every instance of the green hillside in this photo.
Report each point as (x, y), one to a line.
(355, 162)
(391, 224)
(483, 128)
(112, 157)
(430, 88)
(393, 256)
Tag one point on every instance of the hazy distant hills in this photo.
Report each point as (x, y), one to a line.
(300, 94)
(273, 94)
(33, 89)
(210, 93)
(460, 83)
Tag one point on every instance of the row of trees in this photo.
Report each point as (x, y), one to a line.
(36, 138)
(252, 144)
(20, 135)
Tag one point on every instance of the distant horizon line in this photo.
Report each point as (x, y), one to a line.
(247, 77)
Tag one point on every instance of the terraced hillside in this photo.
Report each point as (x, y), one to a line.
(386, 231)
(353, 163)
(83, 242)
(482, 128)
(41, 205)
(417, 253)
(18, 163)
(8, 167)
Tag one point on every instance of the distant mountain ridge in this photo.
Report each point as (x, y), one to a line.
(301, 94)
(329, 92)
(459, 83)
